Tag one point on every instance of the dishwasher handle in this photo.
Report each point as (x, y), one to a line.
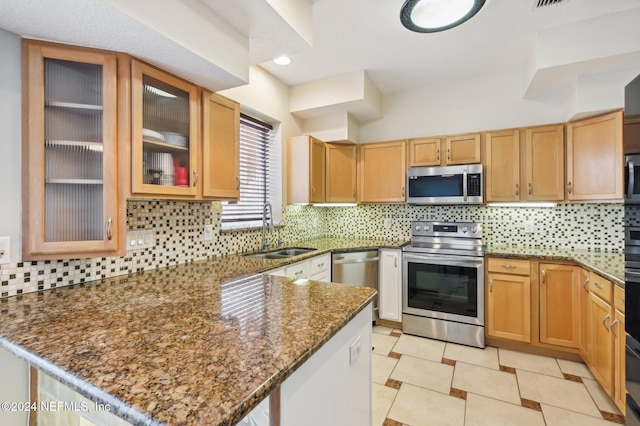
(339, 261)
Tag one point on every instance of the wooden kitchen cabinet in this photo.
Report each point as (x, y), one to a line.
(544, 163)
(71, 201)
(165, 134)
(595, 158)
(424, 152)
(382, 172)
(559, 299)
(602, 343)
(462, 149)
(619, 349)
(220, 147)
(390, 285)
(584, 316)
(305, 170)
(340, 173)
(445, 151)
(508, 307)
(502, 166)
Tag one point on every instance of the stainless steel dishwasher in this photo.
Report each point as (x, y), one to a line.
(357, 268)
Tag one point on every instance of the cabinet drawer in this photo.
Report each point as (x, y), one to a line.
(618, 298)
(601, 287)
(509, 266)
(320, 265)
(297, 270)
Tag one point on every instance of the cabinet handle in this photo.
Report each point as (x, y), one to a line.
(108, 226)
(604, 320)
(313, 190)
(517, 189)
(600, 286)
(544, 276)
(530, 188)
(491, 285)
(195, 177)
(622, 301)
(569, 187)
(238, 179)
(448, 153)
(507, 266)
(613, 324)
(438, 155)
(320, 265)
(395, 265)
(403, 192)
(584, 285)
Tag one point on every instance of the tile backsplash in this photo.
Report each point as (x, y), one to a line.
(178, 228)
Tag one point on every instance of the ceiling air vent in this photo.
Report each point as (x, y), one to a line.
(543, 3)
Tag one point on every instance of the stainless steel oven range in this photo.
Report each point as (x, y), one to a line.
(443, 282)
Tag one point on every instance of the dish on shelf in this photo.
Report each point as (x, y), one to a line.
(152, 135)
(173, 138)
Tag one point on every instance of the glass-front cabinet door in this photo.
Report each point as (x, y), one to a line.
(165, 133)
(70, 195)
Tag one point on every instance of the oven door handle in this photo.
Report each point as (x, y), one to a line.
(464, 185)
(632, 179)
(441, 260)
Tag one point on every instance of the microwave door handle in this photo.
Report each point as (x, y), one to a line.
(464, 185)
(631, 179)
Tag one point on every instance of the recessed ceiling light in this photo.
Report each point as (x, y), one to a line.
(282, 60)
(430, 16)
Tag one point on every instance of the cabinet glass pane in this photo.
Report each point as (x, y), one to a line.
(73, 151)
(165, 134)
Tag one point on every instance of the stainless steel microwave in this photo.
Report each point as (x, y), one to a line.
(632, 179)
(445, 185)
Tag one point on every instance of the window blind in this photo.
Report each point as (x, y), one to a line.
(255, 174)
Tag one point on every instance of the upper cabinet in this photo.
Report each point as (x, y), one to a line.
(525, 164)
(165, 134)
(594, 158)
(340, 173)
(544, 163)
(220, 147)
(382, 172)
(71, 202)
(502, 166)
(305, 170)
(444, 151)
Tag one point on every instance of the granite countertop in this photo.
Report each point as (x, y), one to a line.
(198, 343)
(609, 265)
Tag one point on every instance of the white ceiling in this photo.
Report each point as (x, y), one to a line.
(339, 37)
(367, 35)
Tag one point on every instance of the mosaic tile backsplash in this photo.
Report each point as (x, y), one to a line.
(178, 238)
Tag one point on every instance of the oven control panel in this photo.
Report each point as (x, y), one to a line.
(448, 229)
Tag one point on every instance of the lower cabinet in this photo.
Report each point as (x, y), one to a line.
(584, 315)
(317, 268)
(619, 338)
(559, 299)
(390, 285)
(601, 364)
(508, 304)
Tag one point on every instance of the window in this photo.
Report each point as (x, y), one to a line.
(256, 139)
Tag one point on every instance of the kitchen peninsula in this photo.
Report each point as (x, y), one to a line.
(203, 342)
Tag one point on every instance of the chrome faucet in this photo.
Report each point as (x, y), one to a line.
(267, 206)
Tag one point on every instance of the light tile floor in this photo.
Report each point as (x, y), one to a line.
(418, 381)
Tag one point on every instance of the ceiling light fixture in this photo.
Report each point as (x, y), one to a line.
(282, 60)
(431, 16)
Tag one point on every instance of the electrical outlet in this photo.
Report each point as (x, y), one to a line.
(354, 351)
(207, 234)
(387, 222)
(529, 226)
(5, 250)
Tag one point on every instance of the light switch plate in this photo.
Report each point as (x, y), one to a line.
(5, 250)
(387, 222)
(354, 351)
(207, 234)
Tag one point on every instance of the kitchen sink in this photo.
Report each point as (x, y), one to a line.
(281, 254)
